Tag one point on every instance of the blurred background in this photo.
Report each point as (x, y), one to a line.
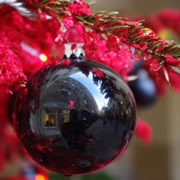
(159, 160)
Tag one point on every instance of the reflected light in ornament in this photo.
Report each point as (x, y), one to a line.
(29, 49)
(83, 79)
(34, 52)
(43, 57)
(40, 177)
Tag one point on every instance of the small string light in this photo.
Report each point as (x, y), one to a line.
(43, 57)
(40, 177)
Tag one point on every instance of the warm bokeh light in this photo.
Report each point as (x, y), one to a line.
(40, 177)
(165, 34)
(148, 30)
(43, 57)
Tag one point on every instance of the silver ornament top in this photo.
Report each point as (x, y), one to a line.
(77, 51)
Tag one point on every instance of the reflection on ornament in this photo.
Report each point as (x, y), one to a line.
(75, 117)
(143, 87)
(34, 51)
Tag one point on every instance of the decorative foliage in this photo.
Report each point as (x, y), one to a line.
(107, 38)
(161, 56)
(10, 68)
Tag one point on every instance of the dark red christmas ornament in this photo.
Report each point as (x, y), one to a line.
(144, 87)
(75, 117)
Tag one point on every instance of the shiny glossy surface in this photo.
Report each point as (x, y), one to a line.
(144, 89)
(75, 117)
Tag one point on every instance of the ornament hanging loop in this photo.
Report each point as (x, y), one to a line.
(68, 34)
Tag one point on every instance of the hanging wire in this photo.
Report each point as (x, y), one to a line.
(67, 36)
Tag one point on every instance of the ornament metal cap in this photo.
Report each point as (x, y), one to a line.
(72, 52)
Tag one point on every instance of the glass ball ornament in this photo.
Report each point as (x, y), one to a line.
(144, 89)
(137, 66)
(75, 117)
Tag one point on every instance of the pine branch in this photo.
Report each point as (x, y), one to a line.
(133, 33)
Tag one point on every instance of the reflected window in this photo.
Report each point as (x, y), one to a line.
(49, 118)
(63, 116)
(54, 117)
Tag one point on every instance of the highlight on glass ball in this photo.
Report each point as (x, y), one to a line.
(75, 117)
(144, 87)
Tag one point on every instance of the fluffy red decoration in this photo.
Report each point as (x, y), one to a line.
(10, 67)
(165, 18)
(144, 131)
(40, 37)
(170, 18)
